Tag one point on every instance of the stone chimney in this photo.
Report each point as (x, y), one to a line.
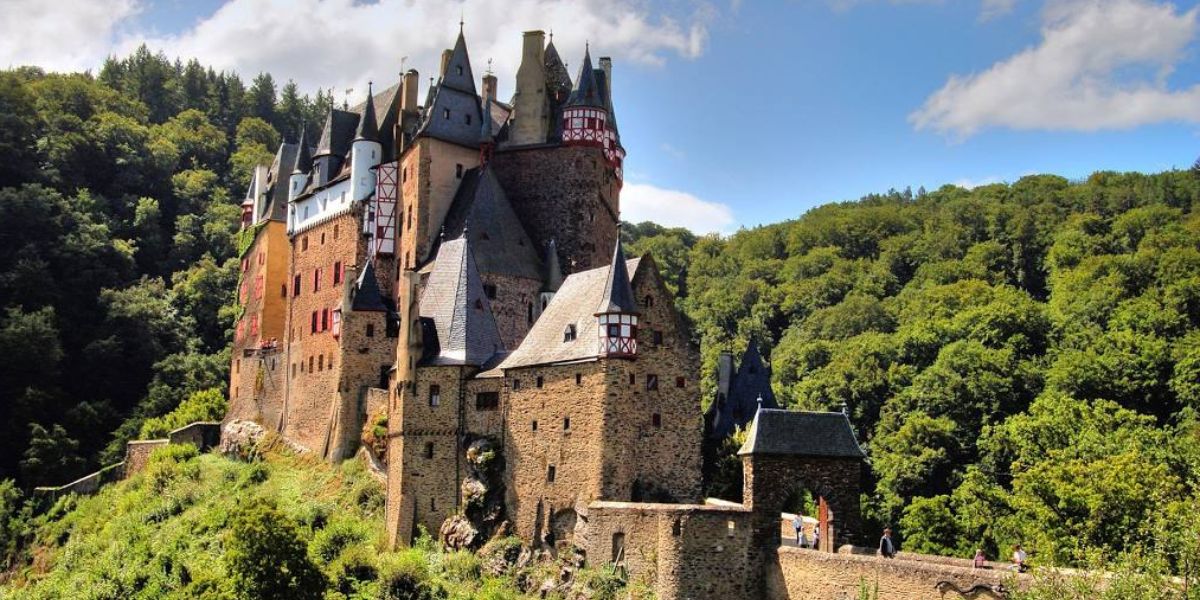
(530, 118)
(489, 86)
(446, 54)
(606, 66)
(408, 102)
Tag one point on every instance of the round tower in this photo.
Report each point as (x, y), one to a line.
(366, 152)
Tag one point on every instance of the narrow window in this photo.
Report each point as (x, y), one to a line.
(325, 319)
(296, 286)
(566, 423)
(550, 474)
(435, 395)
(237, 366)
(540, 382)
(487, 401)
(322, 239)
(490, 291)
(579, 379)
(304, 243)
(335, 231)
(458, 171)
(468, 119)
(316, 280)
(478, 304)
(310, 364)
(651, 382)
(656, 337)
(529, 313)
(446, 113)
(337, 273)
(632, 379)
(618, 547)
(283, 291)
(676, 528)
(730, 528)
(370, 330)
(432, 505)
(516, 384)
(428, 449)
(656, 420)
(314, 322)
(648, 301)
(569, 333)
(534, 426)
(458, 69)
(293, 370)
(680, 382)
(321, 362)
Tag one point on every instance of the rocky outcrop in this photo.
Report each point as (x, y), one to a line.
(483, 499)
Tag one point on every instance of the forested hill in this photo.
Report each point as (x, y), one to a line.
(1021, 362)
(119, 202)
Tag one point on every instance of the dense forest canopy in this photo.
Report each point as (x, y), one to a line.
(119, 202)
(1021, 362)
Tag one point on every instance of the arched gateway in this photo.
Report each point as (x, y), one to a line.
(790, 450)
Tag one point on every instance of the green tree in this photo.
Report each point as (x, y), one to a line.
(266, 557)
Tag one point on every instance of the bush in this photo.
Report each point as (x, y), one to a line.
(267, 559)
(405, 576)
(330, 542)
(205, 405)
(461, 566)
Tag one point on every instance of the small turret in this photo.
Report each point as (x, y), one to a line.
(617, 314)
(301, 167)
(365, 154)
(553, 277)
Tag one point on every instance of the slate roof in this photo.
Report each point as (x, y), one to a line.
(368, 128)
(574, 304)
(303, 162)
(461, 328)
(280, 172)
(464, 82)
(738, 392)
(805, 434)
(558, 80)
(618, 294)
(387, 109)
(498, 240)
(337, 133)
(587, 92)
(367, 296)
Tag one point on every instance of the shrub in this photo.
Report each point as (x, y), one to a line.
(405, 576)
(267, 559)
(461, 566)
(330, 542)
(205, 405)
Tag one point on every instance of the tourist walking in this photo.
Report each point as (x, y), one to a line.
(816, 539)
(887, 548)
(798, 525)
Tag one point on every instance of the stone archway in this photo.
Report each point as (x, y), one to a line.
(786, 450)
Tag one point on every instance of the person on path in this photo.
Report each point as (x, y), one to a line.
(798, 525)
(887, 548)
(816, 539)
(980, 560)
(1018, 559)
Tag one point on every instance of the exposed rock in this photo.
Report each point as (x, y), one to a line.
(458, 533)
(240, 438)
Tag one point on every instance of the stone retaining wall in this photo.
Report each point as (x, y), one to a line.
(137, 454)
(810, 575)
(202, 434)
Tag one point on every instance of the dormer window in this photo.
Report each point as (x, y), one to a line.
(446, 114)
(569, 333)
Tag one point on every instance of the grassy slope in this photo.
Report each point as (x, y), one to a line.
(162, 534)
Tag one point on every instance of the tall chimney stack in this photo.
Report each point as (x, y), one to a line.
(408, 102)
(446, 54)
(606, 66)
(489, 86)
(530, 106)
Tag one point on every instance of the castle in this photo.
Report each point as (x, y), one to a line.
(455, 266)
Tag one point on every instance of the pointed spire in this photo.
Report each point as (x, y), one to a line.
(618, 293)
(368, 127)
(367, 296)
(458, 69)
(554, 276)
(303, 154)
(587, 91)
(454, 298)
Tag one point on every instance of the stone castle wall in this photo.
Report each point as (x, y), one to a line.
(569, 194)
(811, 575)
(539, 436)
(515, 305)
(681, 550)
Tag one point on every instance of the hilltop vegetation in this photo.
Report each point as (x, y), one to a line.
(284, 526)
(119, 199)
(1021, 362)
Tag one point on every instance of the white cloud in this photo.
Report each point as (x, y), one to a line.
(60, 35)
(971, 184)
(1101, 64)
(343, 43)
(995, 8)
(673, 208)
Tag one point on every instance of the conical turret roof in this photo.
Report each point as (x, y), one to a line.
(367, 296)
(587, 91)
(368, 127)
(304, 161)
(458, 70)
(618, 294)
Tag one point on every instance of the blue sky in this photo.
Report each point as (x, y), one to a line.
(740, 113)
